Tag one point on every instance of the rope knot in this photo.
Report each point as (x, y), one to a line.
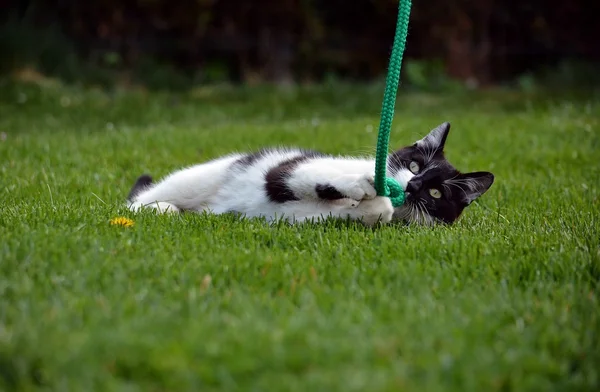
(394, 191)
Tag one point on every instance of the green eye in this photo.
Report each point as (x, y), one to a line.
(435, 193)
(414, 167)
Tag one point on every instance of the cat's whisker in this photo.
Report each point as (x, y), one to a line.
(364, 151)
(447, 189)
(424, 214)
(430, 219)
(419, 218)
(432, 152)
(413, 216)
(425, 152)
(469, 183)
(428, 152)
(460, 188)
(425, 221)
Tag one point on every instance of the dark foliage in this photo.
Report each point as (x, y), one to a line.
(479, 41)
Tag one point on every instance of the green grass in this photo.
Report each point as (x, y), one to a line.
(505, 300)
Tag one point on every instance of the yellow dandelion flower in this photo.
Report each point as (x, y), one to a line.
(121, 221)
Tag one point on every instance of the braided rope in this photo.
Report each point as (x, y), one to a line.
(388, 186)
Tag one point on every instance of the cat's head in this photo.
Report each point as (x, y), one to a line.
(435, 191)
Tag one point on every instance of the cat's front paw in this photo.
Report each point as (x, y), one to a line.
(160, 207)
(358, 187)
(379, 209)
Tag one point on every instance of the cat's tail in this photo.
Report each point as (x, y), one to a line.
(143, 182)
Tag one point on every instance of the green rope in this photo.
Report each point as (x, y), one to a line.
(388, 186)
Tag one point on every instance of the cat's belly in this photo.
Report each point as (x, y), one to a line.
(260, 206)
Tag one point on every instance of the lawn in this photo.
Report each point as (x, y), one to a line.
(505, 300)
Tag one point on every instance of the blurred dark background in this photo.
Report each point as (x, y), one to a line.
(178, 43)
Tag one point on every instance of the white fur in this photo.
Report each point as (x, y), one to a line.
(189, 189)
(221, 186)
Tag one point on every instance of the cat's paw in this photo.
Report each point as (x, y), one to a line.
(375, 210)
(357, 187)
(160, 207)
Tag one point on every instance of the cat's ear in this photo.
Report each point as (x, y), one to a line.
(436, 139)
(472, 185)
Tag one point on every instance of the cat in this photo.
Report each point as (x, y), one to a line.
(299, 185)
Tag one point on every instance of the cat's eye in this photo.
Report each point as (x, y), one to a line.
(435, 193)
(414, 167)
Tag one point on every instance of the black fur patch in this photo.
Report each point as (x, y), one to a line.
(276, 184)
(250, 159)
(328, 192)
(143, 182)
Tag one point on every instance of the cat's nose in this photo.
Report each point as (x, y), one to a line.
(413, 186)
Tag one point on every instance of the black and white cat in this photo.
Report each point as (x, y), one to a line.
(299, 185)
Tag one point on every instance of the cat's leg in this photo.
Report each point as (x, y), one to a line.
(368, 211)
(187, 189)
(316, 180)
